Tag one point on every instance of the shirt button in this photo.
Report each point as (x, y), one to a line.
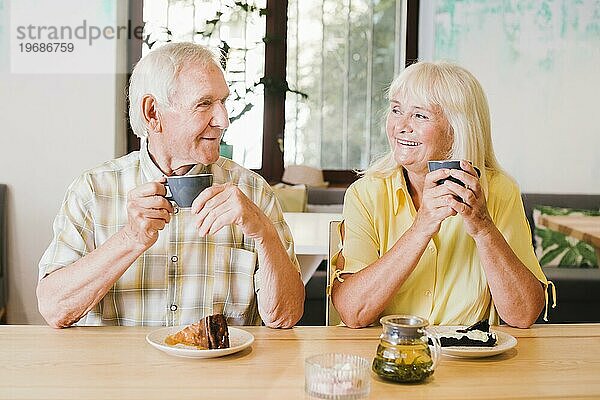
(428, 293)
(431, 249)
(174, 258)
(173, 307)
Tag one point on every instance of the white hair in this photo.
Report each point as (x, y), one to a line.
(156, 74)
(462, 100)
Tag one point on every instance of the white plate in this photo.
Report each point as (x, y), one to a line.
(239, 339)
(505, 342)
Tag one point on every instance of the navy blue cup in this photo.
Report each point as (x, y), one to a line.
(449, 164)
(185, 188)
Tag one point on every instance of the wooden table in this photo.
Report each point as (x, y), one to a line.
(550, 361)
(582, 227)
(311, 238)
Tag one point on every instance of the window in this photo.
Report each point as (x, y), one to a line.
(341, 54)
(237, 29)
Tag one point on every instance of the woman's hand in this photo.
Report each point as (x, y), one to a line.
(436, 204)
(473, 207)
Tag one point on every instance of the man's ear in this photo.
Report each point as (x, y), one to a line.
(150, 113)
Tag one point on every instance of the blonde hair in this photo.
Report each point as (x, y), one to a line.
(157, 73)
(464, 104)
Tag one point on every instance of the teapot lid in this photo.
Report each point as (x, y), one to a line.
(404, 321)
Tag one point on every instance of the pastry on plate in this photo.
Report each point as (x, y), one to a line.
(209, 333)
(476, 335)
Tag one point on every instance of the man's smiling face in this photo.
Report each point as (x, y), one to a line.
(192, 127)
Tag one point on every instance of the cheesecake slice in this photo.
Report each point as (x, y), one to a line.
(209, 333)
(476, 335)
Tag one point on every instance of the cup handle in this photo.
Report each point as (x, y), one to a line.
(169, 195)
(436, 351)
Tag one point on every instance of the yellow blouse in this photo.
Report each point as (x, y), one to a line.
(448, 286)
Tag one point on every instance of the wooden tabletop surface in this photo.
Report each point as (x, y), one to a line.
(549, 361)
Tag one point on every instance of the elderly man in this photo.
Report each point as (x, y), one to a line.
(122, 254)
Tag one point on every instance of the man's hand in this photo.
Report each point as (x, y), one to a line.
(147, 213)
(221, 205)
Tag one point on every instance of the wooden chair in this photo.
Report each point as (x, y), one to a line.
(291, 198)
(332, 317)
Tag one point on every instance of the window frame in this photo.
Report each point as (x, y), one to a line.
(275, 71)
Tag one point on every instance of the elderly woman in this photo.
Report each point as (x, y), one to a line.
(450, 253)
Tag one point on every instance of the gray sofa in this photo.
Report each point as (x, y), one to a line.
(578, 289)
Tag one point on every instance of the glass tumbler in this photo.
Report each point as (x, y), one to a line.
(337, 376)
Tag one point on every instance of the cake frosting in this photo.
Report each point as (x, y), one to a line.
(476, 335)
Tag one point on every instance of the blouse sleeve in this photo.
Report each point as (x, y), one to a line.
(361, 240)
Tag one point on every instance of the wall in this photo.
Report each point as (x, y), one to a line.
(53, 127)
(538, 63)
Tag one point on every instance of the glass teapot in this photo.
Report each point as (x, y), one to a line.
(403, 354)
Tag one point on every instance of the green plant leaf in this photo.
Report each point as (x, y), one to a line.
(542, 232)
(559, 237)
(570, 258)
(556, 238)
(551, 255)
(548, 210)
(543, 237)
(588, 255)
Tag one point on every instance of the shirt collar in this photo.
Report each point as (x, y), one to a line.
(151, 170)
(399, 188)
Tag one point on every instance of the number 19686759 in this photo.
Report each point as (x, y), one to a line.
(54, 47)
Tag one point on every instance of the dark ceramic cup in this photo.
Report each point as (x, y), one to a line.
(184, 189)
(449, 164)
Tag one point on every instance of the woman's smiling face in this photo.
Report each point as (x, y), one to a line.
(417, 133)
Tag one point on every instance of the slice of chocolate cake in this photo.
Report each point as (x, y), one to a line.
(209, 333)
(476, 335)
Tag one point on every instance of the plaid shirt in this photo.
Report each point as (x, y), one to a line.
(182, 277)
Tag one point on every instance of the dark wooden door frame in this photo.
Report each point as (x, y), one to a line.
(275, 82)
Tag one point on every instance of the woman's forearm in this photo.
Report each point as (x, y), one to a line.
(363, 296)
(518, 295)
